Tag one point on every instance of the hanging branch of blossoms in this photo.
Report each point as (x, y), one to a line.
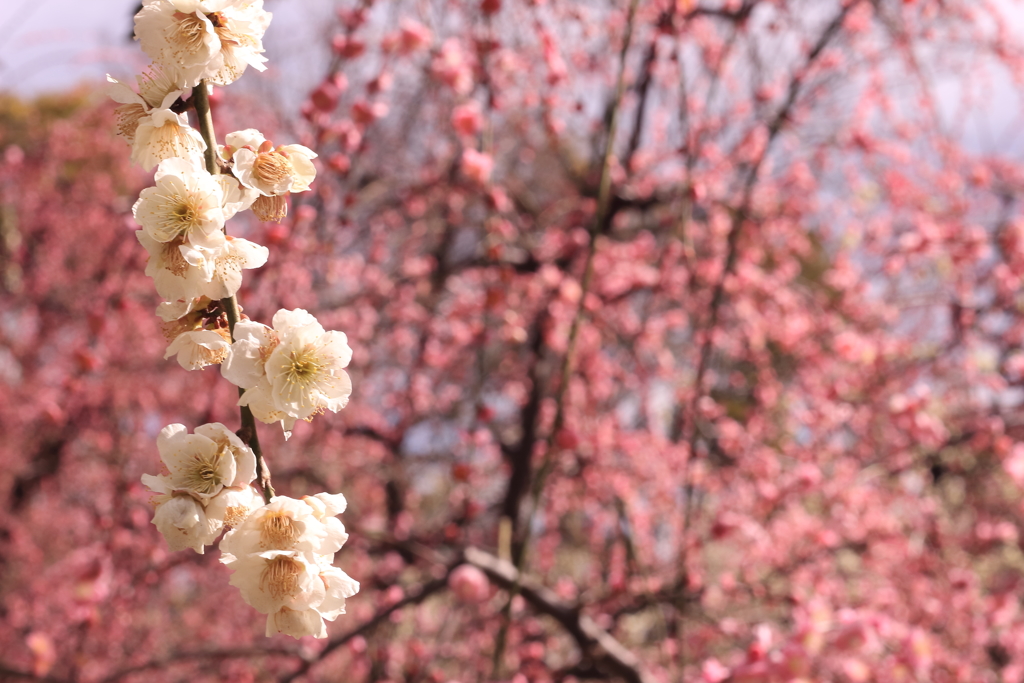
(280, 550)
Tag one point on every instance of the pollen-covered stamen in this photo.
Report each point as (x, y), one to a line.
(202, 475)
(272, 167)
(179, 214)
(174, 260)
(174, 328)
(273, 341)
(270, 209)
(235, 515)
(279, 531)
(154, 84)
(187, 33)
(202, 356)
(128, 117)
(173, 140)
(304, 367)
(304, 372)
(281, 577)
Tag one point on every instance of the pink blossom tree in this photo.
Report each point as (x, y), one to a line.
(686, 346)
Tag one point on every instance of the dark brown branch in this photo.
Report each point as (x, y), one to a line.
(607, 654)
(643, 87)
(391, 442)
(520, 455)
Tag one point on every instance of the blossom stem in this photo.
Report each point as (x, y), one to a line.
(201, 101)
(247, 433)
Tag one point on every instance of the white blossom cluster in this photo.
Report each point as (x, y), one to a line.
(281, 550)
(207, 486)
(282, 559)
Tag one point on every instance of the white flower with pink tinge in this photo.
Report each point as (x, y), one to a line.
(187, 202)
(182, 273)
(213, 40)
(206, 487)
(196, 349)
(291, 372)
(288, 524)
(282, 556)
(273, 172)
(162, 134)
(157, 90)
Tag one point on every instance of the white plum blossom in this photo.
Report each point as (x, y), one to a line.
(281, 553)
(286, 524)
(296, 623)
(198, 348)
(203, 39)
(182, 221)
(337, 587)
(225, 265)
(272, 172)
(274, 579)
(187, 202)
(157, 90)
(206, 487)
(305, 370)
(269, 170)
(181, 272)
(162, 134)
(244, 366)
(302, 371)
(203, 463)
(282, 557)
(170, 311)
(182, 519)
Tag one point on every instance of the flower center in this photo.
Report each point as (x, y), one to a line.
(304, 366)
(174, 261)
(234, 515)
(188, 32)
(180, 214)
(154, 84)
(128, 117)
(270, 208)
(272, 167)
(279, 531)
(281, 577)
(203, 477)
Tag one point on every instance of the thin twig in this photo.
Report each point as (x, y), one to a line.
(247, 432)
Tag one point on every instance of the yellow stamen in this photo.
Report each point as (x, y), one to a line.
(281, 577)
